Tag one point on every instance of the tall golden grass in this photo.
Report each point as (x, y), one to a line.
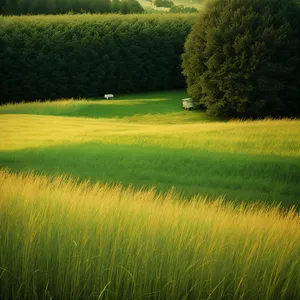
(64, 240)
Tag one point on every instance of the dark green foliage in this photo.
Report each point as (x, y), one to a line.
(83, 56)
(130, 7)
(163, 3)
(179, 9)
(242, 58)
(33, 7)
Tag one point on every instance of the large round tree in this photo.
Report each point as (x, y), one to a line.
(242, 58)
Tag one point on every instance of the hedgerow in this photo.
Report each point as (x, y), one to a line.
(48, 57)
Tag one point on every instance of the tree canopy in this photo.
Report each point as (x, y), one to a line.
(242, 58)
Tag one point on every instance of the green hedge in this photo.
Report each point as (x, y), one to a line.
(46, 57)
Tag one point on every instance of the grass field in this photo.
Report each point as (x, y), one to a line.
(148, 6)
(147, 141)
(146, 108)
(167, 211)
(60, 240)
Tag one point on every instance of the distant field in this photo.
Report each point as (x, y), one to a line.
(163, 107)
(188, 3)
(147, 140)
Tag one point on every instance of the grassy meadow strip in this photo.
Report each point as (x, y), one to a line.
(263, 137)
(153, 108)
(63, 240)
(122, 106)
(237, 177)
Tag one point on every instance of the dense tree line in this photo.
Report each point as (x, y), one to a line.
(242, 58)
(46, 57)
(34, 7)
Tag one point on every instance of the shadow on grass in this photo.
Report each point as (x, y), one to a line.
(237, 177)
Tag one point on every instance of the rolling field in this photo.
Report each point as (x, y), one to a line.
(134, 198)
(147, 140)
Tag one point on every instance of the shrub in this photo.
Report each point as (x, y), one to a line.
(163, 3)
(130, 7)
(242, 58)
(45, 57)
(182, 9)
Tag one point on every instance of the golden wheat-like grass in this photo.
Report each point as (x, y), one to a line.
(66, 240)
(263, 137)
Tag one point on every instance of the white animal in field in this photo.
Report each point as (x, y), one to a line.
(109, 96)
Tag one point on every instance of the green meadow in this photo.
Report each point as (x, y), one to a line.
(135, 198)
(138, 105)
(147, 140)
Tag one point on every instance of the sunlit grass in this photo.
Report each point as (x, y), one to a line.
(147, 5)
(113, 240)
(264, 137)
(61, 240)
(163, 107)
(69, 103)
(148, 140)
